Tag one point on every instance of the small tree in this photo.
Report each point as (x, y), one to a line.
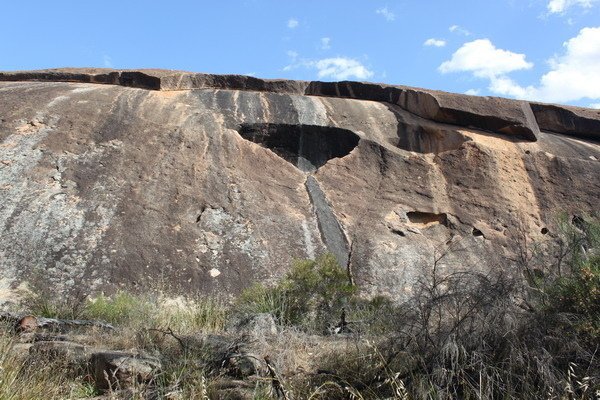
(317, 289)
(311, 294)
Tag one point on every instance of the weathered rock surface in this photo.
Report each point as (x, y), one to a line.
(576, 121)
(489, 113)
(255, 326)
(192, 182)
(121, 370)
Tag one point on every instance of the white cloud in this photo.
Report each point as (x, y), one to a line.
(595, 105)
(292, 23)
(503, 85)
(573, 75)
(473, 92)
(560, 6)
(435, 42)
(484, 60)
(325, 43)
(337, 68)
(459, 29)
(387, 14)
(342, 68)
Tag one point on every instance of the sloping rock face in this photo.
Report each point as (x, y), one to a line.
(202, 183)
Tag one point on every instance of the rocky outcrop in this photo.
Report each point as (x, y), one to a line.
(510, 117)
(192, 182)
(576, 121)
(489, 113)
(495, 114)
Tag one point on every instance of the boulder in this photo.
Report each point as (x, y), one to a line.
(256, 326)
(231, 389)
(234, 356)
(568, 120)
(122, 370)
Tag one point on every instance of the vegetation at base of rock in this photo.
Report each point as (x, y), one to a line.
(463, 334)
(578, 291)
(311, 293)
(135, 310)
(22, 379)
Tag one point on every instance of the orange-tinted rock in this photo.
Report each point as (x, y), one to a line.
(208, 184)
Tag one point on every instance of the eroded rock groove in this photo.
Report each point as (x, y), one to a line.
(309, 147)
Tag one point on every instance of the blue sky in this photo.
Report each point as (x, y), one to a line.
(546, 50)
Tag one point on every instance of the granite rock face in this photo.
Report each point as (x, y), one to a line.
(191, 183)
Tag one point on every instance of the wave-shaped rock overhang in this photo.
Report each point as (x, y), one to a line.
(506, 116)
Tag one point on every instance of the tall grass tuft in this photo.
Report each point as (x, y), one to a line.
(24, 379)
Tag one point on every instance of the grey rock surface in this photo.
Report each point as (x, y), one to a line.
(149, 180)
(255, 326)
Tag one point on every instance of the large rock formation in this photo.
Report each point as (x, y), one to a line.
(194, 182)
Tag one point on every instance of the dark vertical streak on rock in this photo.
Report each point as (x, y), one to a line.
(329, 227)
(349, 265)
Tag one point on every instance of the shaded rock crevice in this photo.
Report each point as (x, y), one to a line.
(309, 147)
(427, 140)
(572, 121)
(426, 218)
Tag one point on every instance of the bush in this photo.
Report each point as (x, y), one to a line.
(470, 335)
(311, 294)
(578, 291)
(463, 334)
(259, 299)
(318, 286)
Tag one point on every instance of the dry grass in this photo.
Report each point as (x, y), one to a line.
(24, 379)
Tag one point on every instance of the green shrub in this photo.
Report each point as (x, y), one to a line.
(311, 292)
(320, 286)
(578, 291)
(121, 308)
(258, 299)
(579, 294)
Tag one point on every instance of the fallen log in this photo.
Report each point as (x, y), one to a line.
(31, 323)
